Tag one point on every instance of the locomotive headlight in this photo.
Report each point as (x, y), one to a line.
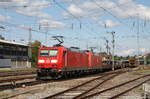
(41, 61)
(54, 61)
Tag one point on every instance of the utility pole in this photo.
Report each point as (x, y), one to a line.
(29, 43)
(113, 49)
(109, 50)
(30, 36)
(87, 44)
(46, 27)
(138, 41)
(29, 40)
(107, 46)
(145, 62)
(100, 49)
(92, 48)
(46, 33)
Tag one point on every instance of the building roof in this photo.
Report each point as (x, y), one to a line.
(12, 42)
(148, 54)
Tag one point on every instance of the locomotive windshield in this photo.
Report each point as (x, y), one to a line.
(51, 53)
(44, 53)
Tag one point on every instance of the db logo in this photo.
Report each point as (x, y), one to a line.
(47, 61)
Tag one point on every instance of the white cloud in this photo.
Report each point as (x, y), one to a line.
(132, 51)
(94, 5)
(13, 4)
(70, 1)
(143, 50)
(75, 11)
(23, 26)
(119, 8)
(4, 18)
(109, 23)
(38, 14)
(89, 6)
(129, 8)
(34, 9)
(127, 52)
(51, 24)
(20, 2)
(79, 8)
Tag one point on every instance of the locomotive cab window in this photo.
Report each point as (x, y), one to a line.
(44, 53)
(53, 53)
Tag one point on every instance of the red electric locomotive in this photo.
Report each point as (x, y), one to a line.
(55, 62)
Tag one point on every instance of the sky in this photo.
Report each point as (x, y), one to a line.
(83, 23)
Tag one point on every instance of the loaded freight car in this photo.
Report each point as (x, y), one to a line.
(55, 62)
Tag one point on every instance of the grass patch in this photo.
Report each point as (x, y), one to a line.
(142, 71)
(140, 90)
(3, 95)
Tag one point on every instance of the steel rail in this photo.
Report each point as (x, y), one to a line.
(5, 74)
(116, 86)
(17, 78)
(18, 85)
(78, 86)
(82, 94)
(60, 93)
(8, 86)
(24, 92)
(114, 97)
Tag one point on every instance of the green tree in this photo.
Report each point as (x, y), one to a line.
(148, 59)
(117, 57)
(35, 46)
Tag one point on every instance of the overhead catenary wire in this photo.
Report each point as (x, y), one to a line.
(74, 17)
(17, 26)
(138, 31)
(70, 13)
(77, 18)
(28, 29)
(34, 30)
(108, 12)
(111, 13)
(13, 5)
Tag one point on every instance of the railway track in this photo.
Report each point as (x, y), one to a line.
(81, 90)
(31, 83)
(16, 78)
(6, 74)
(18, 85)
(10, 80)
(13, 81)
(137, 84)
